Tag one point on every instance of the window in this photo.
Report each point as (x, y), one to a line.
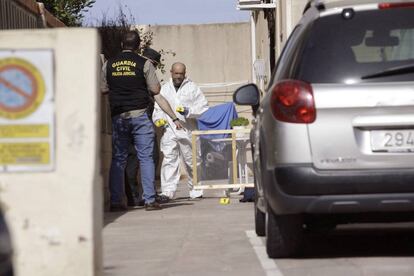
(342, 50)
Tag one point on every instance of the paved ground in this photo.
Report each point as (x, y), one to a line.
(353, 250)
(202, 237)
(187, 237)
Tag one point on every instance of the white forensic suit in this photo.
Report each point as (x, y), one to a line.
(177, 143)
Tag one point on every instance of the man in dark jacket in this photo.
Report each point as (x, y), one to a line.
(128, 77)
(133, 188)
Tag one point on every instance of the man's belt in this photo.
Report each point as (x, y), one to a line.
(132, 113)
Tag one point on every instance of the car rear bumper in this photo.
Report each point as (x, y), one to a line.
(302, 189)
(306, 180)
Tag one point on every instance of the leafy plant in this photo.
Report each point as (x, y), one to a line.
(70, 12)
(112, 30)
(161, 65)
(241, 121)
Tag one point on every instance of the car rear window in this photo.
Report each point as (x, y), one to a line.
(360, 48)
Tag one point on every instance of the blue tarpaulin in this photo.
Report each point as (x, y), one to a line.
(216, 153)
(217, 117)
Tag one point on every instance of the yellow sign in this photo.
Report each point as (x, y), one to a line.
(27, 111)
(22, 88)
(224, 200)
(24, 153)
(24, 131)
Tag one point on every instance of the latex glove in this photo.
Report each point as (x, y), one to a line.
(182, 110)
(160, 123)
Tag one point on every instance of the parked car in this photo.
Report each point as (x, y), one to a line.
(6, 262)
(333, 136)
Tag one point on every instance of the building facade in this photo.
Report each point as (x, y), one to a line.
(271, 21)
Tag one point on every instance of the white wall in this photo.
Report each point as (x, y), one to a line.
(287, 15)
(55, 217)
(212, 52)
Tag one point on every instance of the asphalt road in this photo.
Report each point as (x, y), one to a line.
(203, 237)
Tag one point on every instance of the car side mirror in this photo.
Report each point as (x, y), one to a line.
(247, 95)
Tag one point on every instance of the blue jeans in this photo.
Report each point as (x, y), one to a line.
(140, 132)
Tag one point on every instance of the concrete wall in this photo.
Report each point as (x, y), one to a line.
(214, 54)
(106, 147)
(262, 47)
(287, 15)
(292, 10)
(55, 216)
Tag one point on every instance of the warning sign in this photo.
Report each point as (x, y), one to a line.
(24, 153)
(22, 88)
(24, 131)
(26, 111)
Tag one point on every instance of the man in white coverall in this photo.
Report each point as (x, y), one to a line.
(186, 98)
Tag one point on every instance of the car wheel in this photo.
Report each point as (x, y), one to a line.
(284, 235)
(259, 216)
(259, 221)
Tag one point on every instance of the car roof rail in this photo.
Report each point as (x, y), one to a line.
(318, 4)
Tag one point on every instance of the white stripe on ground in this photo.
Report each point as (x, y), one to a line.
(269, 265)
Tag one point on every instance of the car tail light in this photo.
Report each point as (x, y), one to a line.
(292, 101)
(383, 6)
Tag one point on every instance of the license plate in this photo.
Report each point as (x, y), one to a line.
(392, 140)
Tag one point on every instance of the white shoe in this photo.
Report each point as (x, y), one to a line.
(170, 195)
(196, 194)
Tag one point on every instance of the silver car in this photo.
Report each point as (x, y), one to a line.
(333, 140)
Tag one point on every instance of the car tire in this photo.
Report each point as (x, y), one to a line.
(259, 220)
(284, 235)
(259, 216)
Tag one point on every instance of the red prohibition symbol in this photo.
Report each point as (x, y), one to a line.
(22, 88)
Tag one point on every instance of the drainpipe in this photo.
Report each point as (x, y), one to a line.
(253, 43)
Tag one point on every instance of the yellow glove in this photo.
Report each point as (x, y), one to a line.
(180, 109)
(160, 122)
